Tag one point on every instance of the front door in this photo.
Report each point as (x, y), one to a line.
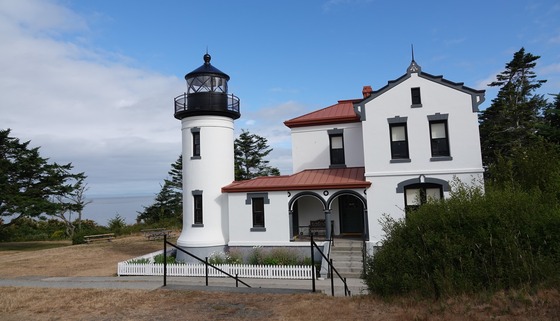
(351, 212)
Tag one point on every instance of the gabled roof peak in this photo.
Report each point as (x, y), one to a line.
(413, 67)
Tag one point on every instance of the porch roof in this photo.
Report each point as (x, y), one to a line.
(342, 112)
(310, 179)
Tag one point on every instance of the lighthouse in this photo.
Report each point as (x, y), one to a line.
(206, 112)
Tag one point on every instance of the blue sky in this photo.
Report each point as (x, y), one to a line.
(93, 82)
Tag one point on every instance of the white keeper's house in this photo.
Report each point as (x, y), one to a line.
(383, 153)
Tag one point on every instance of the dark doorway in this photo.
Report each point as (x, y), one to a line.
(351, 212)
(295, 219)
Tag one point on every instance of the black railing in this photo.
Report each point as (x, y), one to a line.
(181, 103)
(331, 270)
(207, 265)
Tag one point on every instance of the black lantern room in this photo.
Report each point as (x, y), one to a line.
(207, 94)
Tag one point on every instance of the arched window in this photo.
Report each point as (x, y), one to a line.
(418, 194)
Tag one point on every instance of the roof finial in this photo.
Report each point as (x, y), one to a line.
(412, 47)
(207, 57)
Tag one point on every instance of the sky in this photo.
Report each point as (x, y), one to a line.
(92, 82)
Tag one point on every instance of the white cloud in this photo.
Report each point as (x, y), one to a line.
(112, 121)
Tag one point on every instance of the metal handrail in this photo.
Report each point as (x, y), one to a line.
(331, 268)
(165, 242)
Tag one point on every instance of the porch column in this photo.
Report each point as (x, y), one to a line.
(290, 218)
(366, 225)
(328, 224)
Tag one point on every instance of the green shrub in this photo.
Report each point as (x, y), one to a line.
(232, 257)
(275, 256)
(57, 235)
(139, 261)
(469, 243)
(171, 259)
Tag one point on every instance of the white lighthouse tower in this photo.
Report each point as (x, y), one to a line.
(207, 113)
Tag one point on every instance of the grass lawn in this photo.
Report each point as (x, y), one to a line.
(32, 245)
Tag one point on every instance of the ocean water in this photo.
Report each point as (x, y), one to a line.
(102, 209)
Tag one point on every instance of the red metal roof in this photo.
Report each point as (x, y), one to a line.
(335, 178)
(342, 112)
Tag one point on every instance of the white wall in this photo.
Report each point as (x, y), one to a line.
(276, 221)
(310, 146)
(464, 141)
(214, 169)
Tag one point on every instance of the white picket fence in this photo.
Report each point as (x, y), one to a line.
(242, 270)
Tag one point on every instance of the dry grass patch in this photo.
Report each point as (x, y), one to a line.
(100, 259)
(95, 259)
(87, 304)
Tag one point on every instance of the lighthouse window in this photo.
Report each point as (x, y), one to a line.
(195, 143)
(197, 200)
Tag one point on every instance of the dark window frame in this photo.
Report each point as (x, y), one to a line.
(257, 206)
(337, 157)
(257, 200)
(423, 194)
(399, 149)
(439, 147)
(415, 97)
(198, 213)
(195, 143)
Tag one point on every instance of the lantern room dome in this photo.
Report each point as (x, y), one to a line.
(207, 94)
(207, 69)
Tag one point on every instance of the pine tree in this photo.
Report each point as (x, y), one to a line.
(250, 151)
(550, 126)
(511, 121)
(168, 203)
(30, 186)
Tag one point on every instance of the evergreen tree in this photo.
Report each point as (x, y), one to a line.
(30, 186)
(250, 151)
(512, 119)
(550, 127)
(168, 203)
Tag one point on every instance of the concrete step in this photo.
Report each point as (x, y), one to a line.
(347, 257)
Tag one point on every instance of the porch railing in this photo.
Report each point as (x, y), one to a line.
(331, 270)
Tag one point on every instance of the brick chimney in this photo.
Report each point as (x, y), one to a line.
(367, 91)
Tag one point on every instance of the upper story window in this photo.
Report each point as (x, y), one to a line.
(197, 205)
(415, 95)
(439, 137)
(336, 147)
(418, 194)
(195, 143)
(257, 202)
(399, 139)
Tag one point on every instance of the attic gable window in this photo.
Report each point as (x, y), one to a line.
(415, 96)
(336, 148)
